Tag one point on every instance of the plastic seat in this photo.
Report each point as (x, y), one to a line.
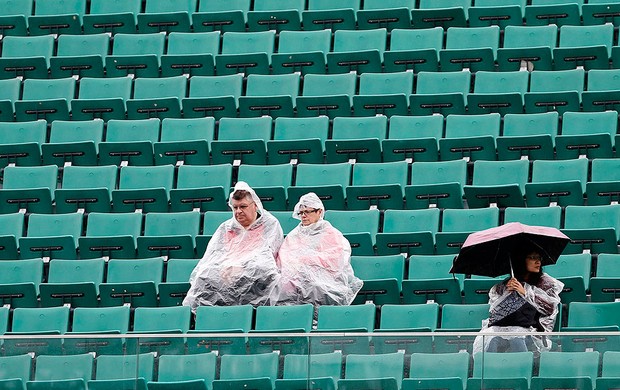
(287, 222)
(560, 182)
(135, 54)
(460, 318)
(301, 51)
(446, 13)
(471, 48)
(115, 16)
(86, 189)
(602, 90)
(383, 94)
(566, 369)
(129, 142)
(133, 282)
(270, 15)
(356, 139)
(555, 12)
(20, 281)
(98, 321)
(169, 235)
(51, 236)
(111, 235)
(385, 14)
(414, 318)
(281, 319)
(322, 369)
(591, 317)
(159, 320)
(436, 184)
(165, 16)
(123, 371)
(530, 136)
(586, 134)
(592, 228)
(269, 181)
(157, 98)
(102, 98)
(476, 288)
(184, 141)
(221, 15)
(37, 322)
(72, 282)
(45, 99)
(258, 371)
(448, 370)
(328, 181)
(408, 232)
(254, 132)
(416, 50)
(350, 319)
(245, 53)
(500, 92)
(14, 20)
(541, 216)
(494, 369)
(413, 138)
(458, 223)
(11, 229)
(201, 187)
(174, 289)
(28, 189)
(358, 51)
(603, 188)
(497, 13)
(429, 280)
(143, 188)
(558, 90)
(80, 55)
(359, 227)
(20, 143)
(10, 90)
(190, 54)
(584, 46)
(73, 142)
(15, 371)
(70, 372)
(26, 57)
(383, 371)
(52, 17)
(599, 12)
(298, 140)
(185, 372)
(272, 95)
(498, 183)
(211, 222)
(608, 378)
(382, 276)
(603, 286)
(574, 271)
(527, 47)
(324, 14)
(215, 96)
(470, 137)
(377, 185)
(327, 95)
(221, 319)
(440, 93)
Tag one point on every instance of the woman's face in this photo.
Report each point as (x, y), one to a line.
(533, 261)
(309, 216)
(245, 211)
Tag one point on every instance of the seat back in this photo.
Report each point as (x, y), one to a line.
(347, 317)
(133, 130)
(284, 317)
(138, 44)
(16, 177)
(111, 367)
(174, 368)
(146, 177)
(358, 40)
(168, 224)
(249, 366)
(399, 317)
(117, 224)
(45, 319)
(250, 42)
(34, 46)
(224, 318)
(141, 270)
(318, 365)
(304, 41)
(388, 365)
(530, 36)
(193, 43)
(160, 319)
(64, 367)
(439, 172)
(100, 319)
(457, 220)
(463, 316)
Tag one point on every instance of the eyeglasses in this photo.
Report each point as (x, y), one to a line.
(534, 257)
(307, 212)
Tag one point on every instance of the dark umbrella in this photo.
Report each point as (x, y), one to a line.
(488, 252)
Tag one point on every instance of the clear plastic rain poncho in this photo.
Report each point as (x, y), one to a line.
(314, 262)
(544, 297)
(239, 265)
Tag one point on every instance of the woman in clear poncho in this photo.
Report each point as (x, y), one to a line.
(314, 260)
(527, 302)
(239, 265)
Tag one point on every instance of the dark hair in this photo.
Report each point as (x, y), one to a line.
(241, 194)
(519, 267)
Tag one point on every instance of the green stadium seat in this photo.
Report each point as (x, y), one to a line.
(51, 236)
(407, 318)
(221, 15)
(324, 14)
(69, 372)
(201, 187)
(73, 142)
(414, 49)
(476, 288)
(258, 371)
(164, 16)
(10, 90)
(385, 14)
(470, 48)
(53, 17)
(574, 271)
(28, 189)
(178, 372)
(298, 140)
(37, 322)
(45, 99)
(560, 182)
(385, 371)
(527, 47)
(601, 93)
(460, 318)
(273, 15)
(184, 141)
(500, 92)
(215, 96)
(123, 372)
(609, 371)
(408, 232)
(383, 94)
(254, 132)
(20, 143)
(158, 321)
(436, 184)
(558, 90)
(143, 189)
(270, 182)
(541, 216)
(98, 321)
(157, 98)
(591, 317)
(447, 370)
(566, 369)
(322, 369)
(382, 276)
(604, 286)
(327, 95)
(135, 54)
(358, 51)
(457, 224)
(71, 282)
(377, 185)
(169, 234)
(587, 134)
(328, 181)
(15, 371)
(111, 235)
(553, 12)
(359, 228)
(80, 56)
(11, 229)
(281, 319)
(603, 188)
(211, 222)
(470, 137)
(356, 139)
(272, 95)
(594, 229)
(103, 98)
(14, 20)
(221, 319)
(86, 189)
(174, 289)
(584, 46)
(498, 183)
(497, 13)
(20, 281)
(599, 12)
(245, 53)
(530, 136)
(190, 54)
(440, 93)
(494, 370)
(413, 138)
(445, 13)
(133, 282)
(349, 319)
(112, 16)
(24, 56)
(429, 281)
(301, 52)
(287, 222)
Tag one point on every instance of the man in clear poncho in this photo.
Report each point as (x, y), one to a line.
(239, 265)
(314, 260)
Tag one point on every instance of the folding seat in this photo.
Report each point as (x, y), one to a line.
(440, 93)
(37, 322)
(460, 318)
(273, 15)
(591, 317)
(436, 184)
(26, 57)
(51, 236)
(602, 89)
(158, 321)
(221, 15)
(383, 94)
(272, 95)
(429, 280)
(390, 14)
(500, 92)
(123, 371)
(356, 139)
(416, 50)
(201, 187)
(20, 281)
(233, 320)
(587, 134)
(86, 189)
(245, 53)
(298, 140)
(269, 181)
(112, 16)
(169, 235)
(102, 98)
(377, 185)
(53, 17)
(190, 54)
(66, 371)
(185, 372)
(174, 289)
(558, 90)
(74, 283)
(215, 96)
(584, 46)
(358, 51)
(560, 182)
(609, 371)
(603, 187)
(497, 13)
(132, 282)
(327, 95)
(322, 369)
(211, 222)
(528, 136)
(163, 16)
(476, 288)
(408, 232)
(604, 286)
(413, 138)
(20, 143)
(498, 183)
(574, 271)
(382, 276)
(444, 13)
(324, 14)
(28, 189)
(80, 56)
(557, 12)
(328, 181)
(527, 48)
(350, 319)
(512, 369)
(10, 90)
(143, 189)
(540, 216)
(457, 224)
(282, 319)
(407, 318)
(287, 221)
(380, 371)
(566, 369)
(111, 235)
(359, 227)
(258, 371)
(11, 229)
(470, 48)
(73, 142)
(593, 229)
(599, 12)
(254, 134)
(157, 98)
(302, 51)
(15, 371)
(184, 141)
(470, 137)
(97, 321)
(135, 54)
(14, 20)
(45, 99)
(129, 142)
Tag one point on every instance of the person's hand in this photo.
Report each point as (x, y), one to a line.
(514, 285)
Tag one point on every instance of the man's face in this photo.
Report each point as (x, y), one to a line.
(309, 216)
(245, 211)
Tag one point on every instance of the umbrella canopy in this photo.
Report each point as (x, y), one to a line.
(488, 252)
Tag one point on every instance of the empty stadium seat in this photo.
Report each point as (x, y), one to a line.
(51, 17)
(129, 142)
(67, 371)
(322, 14)
(385, 14)
(272, 95)
(26, 56)
(135, 54)
(382, 276)
(80, 56)
(169, 234)
(116, 371)
(592, 228)
(565, 369)
(103, 98)
(408, 232)
(439, 369)
(201, 187)
(245, 53)
(190, 54)
(436, 184)
(282, 319)
(20, 281)
(560, 182)
(115, 16)
(385, 371)
(472, 48)
(215, 96)
(272, 15)
(185, 371)
(37, 323)
(221, 15)
(219, 319)
(73, 142)
(356, 139)
(75, 283)
(414, 49)
(586, 134)
(143, 189)
(498, 183)
(527, 47)
(45, 99)
(157, 98)
(86, 189)
(440, 93)
(28, 189)
(350, 319)
(470, 137)
(133, 282)
(379, 185)
(359, 227)
(328, 181)
(111, 235)
(255, 132)
(163, 16)
(184, 141)
(157, 321)
(328, 95)
(51, 236)
(357, 51)
(457, 224)
(383, 94)
(98, 321)
(530, 136)
(298, 140)
(429, 281)
(500, 92)
(413, 138)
